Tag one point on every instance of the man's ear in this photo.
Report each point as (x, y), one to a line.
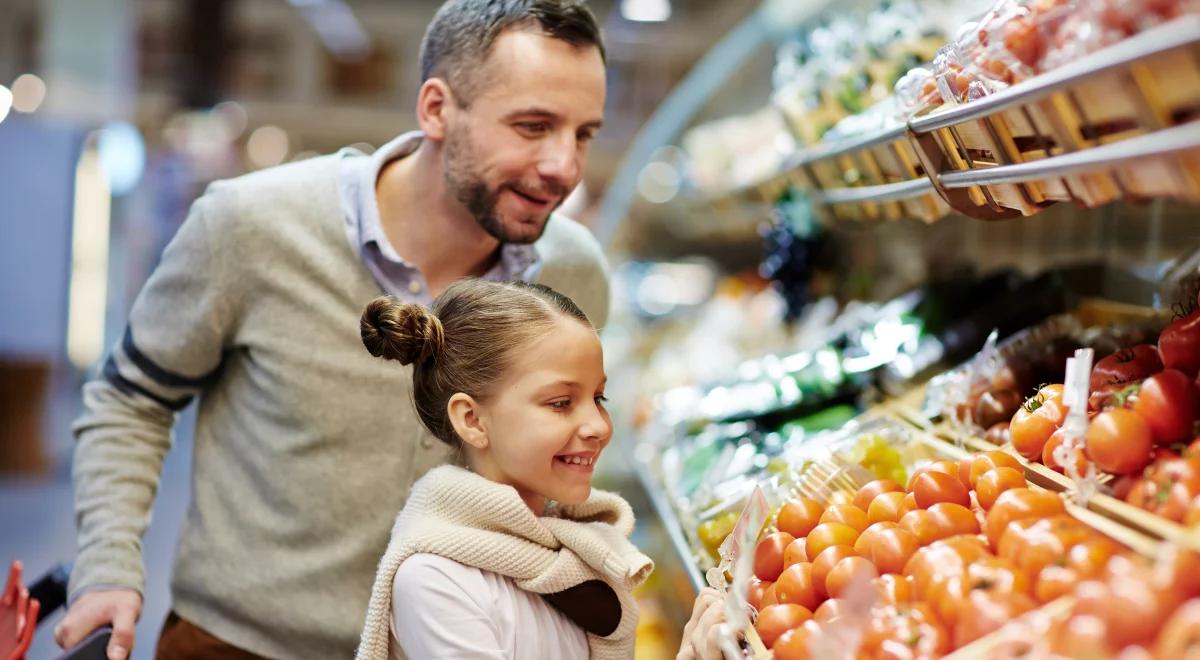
(435, 106)
(467, 419)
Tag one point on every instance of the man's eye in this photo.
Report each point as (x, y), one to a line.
(534, 128)
(585, 137)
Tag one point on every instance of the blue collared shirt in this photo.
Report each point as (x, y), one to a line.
(394, 275)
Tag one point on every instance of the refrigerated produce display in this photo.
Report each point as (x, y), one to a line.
(982, 462)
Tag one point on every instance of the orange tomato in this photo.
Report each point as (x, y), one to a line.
(755, 591)
(825, 562)
(892, 589)
(1052, 445)
(829, 534)
(1089, 558)
(921, 524)
(942, 467)
(798, 516)
(768, 596)
(796, 586)
(888, 507)
(1033, 424)
(890, 549)
(1119, 441)
(1180, 636)
(850, 573)
(840, 497)
(933, 487)
(1017, 504)
(795, 553)
(1055, 582)
(848, 515)
(953, 519)
(868, 493)
(995, 481)
(795, 644)
(990, 460)
(830, 610)
(868, 536)
(985, 612)
(768, 555)
(776, 620)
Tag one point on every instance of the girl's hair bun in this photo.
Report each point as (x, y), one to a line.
(408, 333)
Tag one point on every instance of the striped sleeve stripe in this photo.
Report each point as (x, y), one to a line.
(159, 375)
(113, 375)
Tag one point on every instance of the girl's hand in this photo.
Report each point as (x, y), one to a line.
(701, 635)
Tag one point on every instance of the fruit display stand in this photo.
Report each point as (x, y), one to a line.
(1117, 124)
(825, 473)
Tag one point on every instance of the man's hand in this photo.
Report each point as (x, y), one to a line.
(119, 607)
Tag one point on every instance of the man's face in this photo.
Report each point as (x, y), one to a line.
(515, 153)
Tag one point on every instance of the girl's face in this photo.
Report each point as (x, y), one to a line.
(546, 424)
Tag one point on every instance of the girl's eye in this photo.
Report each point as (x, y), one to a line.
(561, 404)
(600, 398)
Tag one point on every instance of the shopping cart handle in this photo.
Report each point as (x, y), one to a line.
(51, 590)
(94, 647)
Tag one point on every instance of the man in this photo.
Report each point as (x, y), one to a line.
(305, 446)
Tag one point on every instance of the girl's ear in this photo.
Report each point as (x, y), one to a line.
(467, 419)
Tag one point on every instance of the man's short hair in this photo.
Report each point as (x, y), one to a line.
(459, 39)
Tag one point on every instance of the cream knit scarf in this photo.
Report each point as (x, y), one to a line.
(462, 516)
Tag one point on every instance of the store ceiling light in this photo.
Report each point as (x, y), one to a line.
(28, 92)
(646, 11)
(6, 98)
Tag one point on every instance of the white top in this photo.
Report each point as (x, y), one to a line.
(444, 609)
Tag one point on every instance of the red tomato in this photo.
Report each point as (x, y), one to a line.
(993, 482)
(848, 515)
(1168, 403)
(798, 516)
(933, 487)
(868, 493)
(1119, 442)
(795, 585)
(850, 573)
(768, 555)
(1127, 365)
(776, 620)
(1179, 345)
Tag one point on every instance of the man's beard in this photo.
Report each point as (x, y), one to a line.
(472, 191)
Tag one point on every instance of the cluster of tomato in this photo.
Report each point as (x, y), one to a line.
(1143, 409)
(952, 556)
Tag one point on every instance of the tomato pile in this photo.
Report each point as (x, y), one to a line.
(949, 557)
(1143, 407)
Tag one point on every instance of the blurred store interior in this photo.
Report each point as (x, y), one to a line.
(115, 115)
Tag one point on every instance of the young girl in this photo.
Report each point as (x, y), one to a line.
(511, 555)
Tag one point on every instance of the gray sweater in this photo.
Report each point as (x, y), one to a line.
(305, 445)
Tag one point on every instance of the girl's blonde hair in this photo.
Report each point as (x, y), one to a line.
(465, 342)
